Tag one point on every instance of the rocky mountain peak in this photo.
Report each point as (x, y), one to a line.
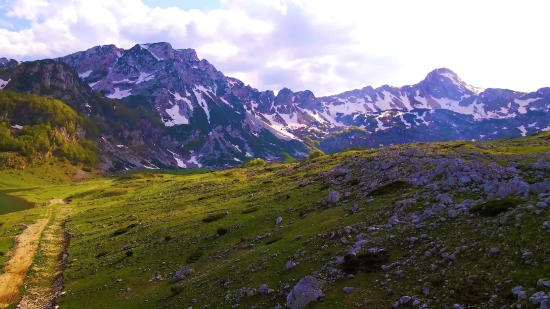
(6, 63)
(444, 82)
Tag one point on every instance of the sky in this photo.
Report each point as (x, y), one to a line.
(325, 46)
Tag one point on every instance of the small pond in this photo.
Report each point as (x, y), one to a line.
(10, 203)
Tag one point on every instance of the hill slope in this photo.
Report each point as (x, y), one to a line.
(459, 224)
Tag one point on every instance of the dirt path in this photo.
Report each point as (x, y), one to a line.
(21, 259)
(56, 201)
(39, 293)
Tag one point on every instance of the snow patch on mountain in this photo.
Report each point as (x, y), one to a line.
(85, 74)
(523, 103)
(199, 91)
(177, 118)
(146, 47)
(522, 130)
(119, 94)
(3, 83)
(179, 161)
(144, 77)
(193, 160)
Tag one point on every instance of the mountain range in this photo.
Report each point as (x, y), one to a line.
(160, 107)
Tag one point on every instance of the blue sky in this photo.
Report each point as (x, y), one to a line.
(325, 46)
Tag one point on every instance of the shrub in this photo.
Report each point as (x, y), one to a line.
(354, 182)
(120, 231)
(213, 217)
(221, 231)
(101, 254)
(87, 169)
(390, 188)
(2, 253)
(176, 289)
(250, 210)
(272, 241)
(256, 162)
(494, 207)
(364, 261)
(129, 253)
(316, 153)
(168, 237)
(194, 257)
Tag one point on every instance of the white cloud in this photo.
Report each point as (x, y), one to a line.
(321, 45)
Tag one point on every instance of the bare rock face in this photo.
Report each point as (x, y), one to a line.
(306, 291)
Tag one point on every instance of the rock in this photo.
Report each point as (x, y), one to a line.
(348, 289)
(540, 187)
(537, 298)
(333, 197)
(290, 265)
(494, 250)
(541, 165)
(306, 291)
(181, 274)
(522, 295)
(393, 221)
(453, 213)
(278, 220)
(405, 299)
(542, 205)
(517, 289)
(263, 289)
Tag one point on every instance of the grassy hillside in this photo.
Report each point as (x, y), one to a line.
(443, 224)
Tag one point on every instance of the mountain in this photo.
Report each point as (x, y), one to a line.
(174, 78)
(186, 113)
(6, 63)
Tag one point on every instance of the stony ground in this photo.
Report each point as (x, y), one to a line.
(435, 225)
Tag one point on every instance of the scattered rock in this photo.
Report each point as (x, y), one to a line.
(181, 274)
(306, 291)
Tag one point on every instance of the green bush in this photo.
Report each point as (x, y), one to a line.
(250, 210)
(194, 257)
(255, 162)
(390, 188)
(222, 231)
(316, 153)
(364, 261)
(129, 253)
(176, 289)
(102, 254)
(120, 231)
(272, 241)
(213, 217)
(494, 207)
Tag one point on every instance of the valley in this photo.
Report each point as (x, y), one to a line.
(459, 224)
